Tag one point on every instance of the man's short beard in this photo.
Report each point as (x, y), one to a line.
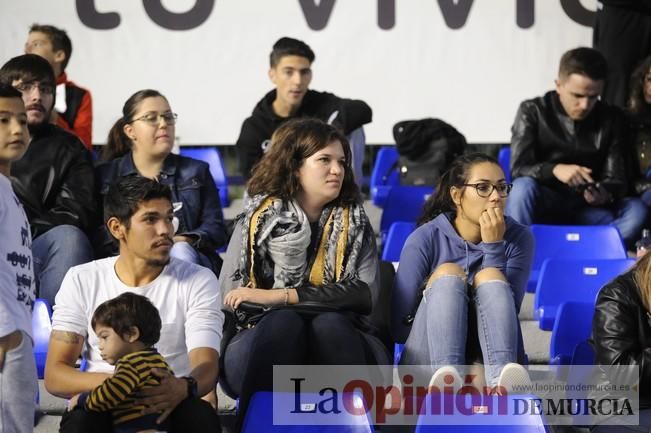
(158, 262)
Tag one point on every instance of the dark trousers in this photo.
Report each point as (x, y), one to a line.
(284, 337)
(193, 415)
(624, 38)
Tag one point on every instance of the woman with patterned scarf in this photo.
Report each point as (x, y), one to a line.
(303, 238)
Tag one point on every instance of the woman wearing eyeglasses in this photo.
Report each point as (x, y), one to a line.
(470, 263)
(140, 144)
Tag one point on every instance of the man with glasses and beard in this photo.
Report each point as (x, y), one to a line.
(138, 214)
(567, 154)
(54, 180)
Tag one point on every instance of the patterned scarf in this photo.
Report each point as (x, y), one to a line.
(276, 239)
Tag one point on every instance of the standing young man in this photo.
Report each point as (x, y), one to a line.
(138, 213)
(54, 180)
(18, 380)
(74, 105)
(291, 73)
(567, 154)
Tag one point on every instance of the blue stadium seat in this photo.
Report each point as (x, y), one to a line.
(212, 157)
(396, 237)
(483, 418)
(564, 280)
(41, 329)
(573, 242)
(404, 203)
(384, 175)
(265, 405)
(572, 329)
(504, 158)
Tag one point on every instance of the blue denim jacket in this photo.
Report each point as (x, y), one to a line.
(193, 190)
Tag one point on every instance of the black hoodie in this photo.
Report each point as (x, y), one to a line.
(346, 114)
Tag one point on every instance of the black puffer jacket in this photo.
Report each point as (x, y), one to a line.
(55, 181)
(621, 330)
(543, 135)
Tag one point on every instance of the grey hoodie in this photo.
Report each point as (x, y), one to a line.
(437, 242)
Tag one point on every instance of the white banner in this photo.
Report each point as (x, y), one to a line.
(468, 62)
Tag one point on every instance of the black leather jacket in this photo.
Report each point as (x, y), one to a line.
(543, 135)
(55, 181)
(621, 330)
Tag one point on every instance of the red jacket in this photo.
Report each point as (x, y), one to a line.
(78, 117)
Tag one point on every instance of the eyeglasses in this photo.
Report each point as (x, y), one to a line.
(154, 118)
(46, 89)
(485, 189)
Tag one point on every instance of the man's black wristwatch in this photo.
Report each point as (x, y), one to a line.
(193, 390)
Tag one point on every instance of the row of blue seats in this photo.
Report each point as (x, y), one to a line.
(570, 263)
(212, 157)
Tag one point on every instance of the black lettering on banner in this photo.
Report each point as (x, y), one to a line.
(89, 16)
(524, 13)
(577, 13)
(386, 14)
(455, 12)
(191, 19)
(317, 16)
(318, 12)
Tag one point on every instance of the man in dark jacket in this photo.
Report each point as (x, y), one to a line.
(290, 71)
(567, 153)
(54, 180)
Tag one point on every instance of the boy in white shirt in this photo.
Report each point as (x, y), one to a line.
(18, 382)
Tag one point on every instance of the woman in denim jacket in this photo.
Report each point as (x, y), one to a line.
(140, 144)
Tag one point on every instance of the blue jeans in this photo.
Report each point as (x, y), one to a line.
(56, 251)
(530, 202)
(186, 252)
(440, 330)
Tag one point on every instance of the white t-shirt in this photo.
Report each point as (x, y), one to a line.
(187, 296)
(17, 288)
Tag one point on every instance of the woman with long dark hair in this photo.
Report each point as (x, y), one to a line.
(140, 144)
(471, 264)
(303, 238)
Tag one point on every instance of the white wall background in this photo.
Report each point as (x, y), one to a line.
(213, 75)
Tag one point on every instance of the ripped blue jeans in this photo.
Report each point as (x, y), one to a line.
(440, 329)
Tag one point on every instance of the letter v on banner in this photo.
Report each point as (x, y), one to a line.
(317, 12)
(455, 12)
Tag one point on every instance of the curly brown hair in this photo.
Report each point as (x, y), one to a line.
(276, 174)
